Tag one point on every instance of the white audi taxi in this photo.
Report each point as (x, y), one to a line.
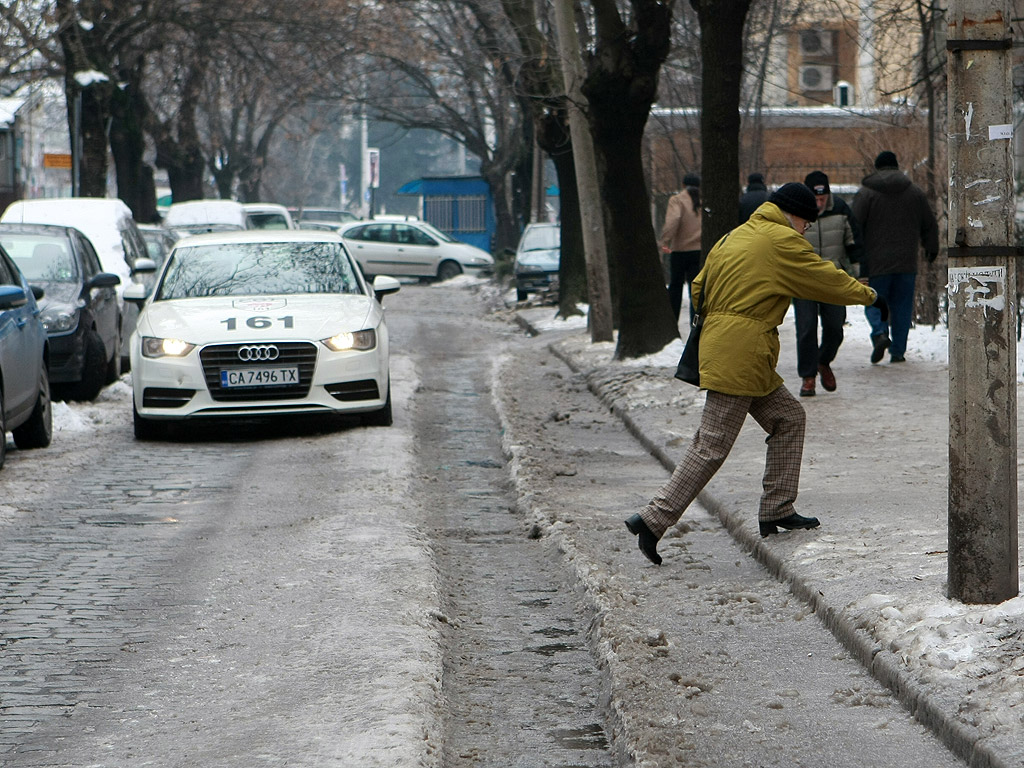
(258, 323)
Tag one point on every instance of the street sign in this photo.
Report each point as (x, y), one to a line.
(57, 160)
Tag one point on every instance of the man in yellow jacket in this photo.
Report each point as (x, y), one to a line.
(747, 283)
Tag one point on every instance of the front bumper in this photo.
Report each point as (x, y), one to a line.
(329, 382)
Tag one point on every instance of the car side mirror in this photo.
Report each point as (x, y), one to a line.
(383, 285)
(103, 280)
(144, 265)
(137, 293)
(37, 291)
(12, 296)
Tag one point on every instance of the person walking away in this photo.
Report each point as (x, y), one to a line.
(746, 285)
(757, 193)
(835, 237)
(895, 218)
(680, 238)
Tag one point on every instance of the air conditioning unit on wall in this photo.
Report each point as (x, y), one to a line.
(815, 77)
(815, 42)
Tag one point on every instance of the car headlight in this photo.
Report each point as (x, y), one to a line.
(361, 340)
(59, 320)
(153, 347)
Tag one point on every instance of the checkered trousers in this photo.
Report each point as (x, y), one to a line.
(778, 413)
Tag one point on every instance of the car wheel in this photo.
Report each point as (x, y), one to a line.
(114, 363)
(3, 430)
(381, 418)
(446, 270)
(522, 294)
(38, 430)
(94, 369)
(147, 429)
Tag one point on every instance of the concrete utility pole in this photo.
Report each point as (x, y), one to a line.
(591, 213)
(982, 289)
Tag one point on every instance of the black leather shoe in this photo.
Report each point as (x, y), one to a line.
(790, 523)
(648, 541)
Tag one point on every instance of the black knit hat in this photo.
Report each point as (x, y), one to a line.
(818, 182)
(755, 178)
(797, 199)
(691, 180)
(886, 159)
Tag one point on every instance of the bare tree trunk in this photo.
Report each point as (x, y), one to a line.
(128, 145)
(178, 147)
(572, 267)
(92, 163)
(620, 87)
(506, 231)
(721, 46)
(927, 295)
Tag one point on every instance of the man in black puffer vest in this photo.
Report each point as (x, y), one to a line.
(835, 236)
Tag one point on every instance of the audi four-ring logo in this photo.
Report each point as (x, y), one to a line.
(258, 352)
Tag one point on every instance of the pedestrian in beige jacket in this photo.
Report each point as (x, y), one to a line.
(680, 239)
(747, 283)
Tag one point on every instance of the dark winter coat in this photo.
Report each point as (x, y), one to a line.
(836, 237)
(895, 219)
(751, 200)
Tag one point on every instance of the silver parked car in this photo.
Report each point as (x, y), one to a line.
(409, 247)
(537, 258)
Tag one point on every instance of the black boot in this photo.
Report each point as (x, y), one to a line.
(648, 541)
(790, 523)
(880, 343)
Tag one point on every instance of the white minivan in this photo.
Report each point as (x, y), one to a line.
(109, 225)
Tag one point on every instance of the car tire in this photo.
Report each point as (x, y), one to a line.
(147, 429)
(522, 294)
(37, 432)
(381, 418)
(94, 369)
(3, 430)
(448, 269)
(114, 363)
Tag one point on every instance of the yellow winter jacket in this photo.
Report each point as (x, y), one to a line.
(751, 275)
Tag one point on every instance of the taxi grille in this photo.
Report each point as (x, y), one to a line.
(218, 357)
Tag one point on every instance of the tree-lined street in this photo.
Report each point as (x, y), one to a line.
(455, 590)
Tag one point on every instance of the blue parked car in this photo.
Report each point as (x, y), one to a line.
(25, 407)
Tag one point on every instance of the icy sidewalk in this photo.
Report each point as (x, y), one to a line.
(875, 473)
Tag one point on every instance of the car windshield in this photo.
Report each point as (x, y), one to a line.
(41, 257)
(247, 269)
(540, 239)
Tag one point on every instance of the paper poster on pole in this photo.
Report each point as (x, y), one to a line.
(983, 287)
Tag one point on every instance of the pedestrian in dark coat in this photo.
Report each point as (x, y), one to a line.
(757, 193)
(835, 236)
(896, 220)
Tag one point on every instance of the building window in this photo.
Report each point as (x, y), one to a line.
(473, 214)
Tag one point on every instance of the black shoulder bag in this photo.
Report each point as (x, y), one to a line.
(688, 369)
